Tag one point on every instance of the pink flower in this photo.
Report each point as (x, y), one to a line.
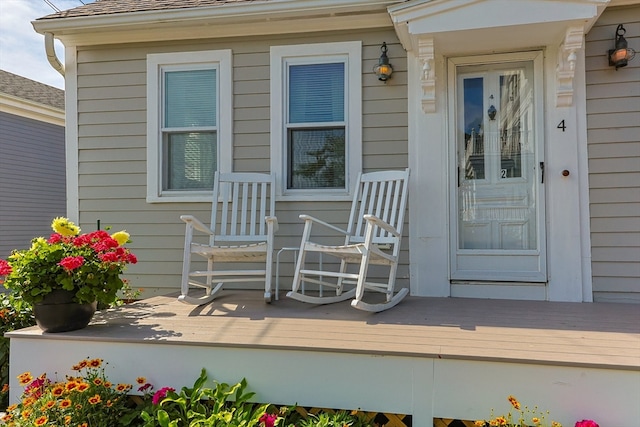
(71, 262)
(268, 420)
(5, 268)
(587, 423)
(161, 394)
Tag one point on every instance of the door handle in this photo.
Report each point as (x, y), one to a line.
(541, 172)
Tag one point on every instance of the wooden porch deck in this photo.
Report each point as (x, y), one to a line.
(510, 339)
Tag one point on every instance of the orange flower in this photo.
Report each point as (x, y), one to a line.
(123, 387)
(5, 388)
(82, 387)
(71, 385)
(25, 378)
(95, 363)
(95, 399)
(57, 390)
(7, 417)
(25, 414)
(28, 401)
(83, 364)
(514, 402)
(67, 420)
(108, 384)
(12, 407)
(141, 380)
(41, 421)
(66, 403)
(83, 425)
(50, 404)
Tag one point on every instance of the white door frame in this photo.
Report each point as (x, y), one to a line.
(535, 279)
(567, 209)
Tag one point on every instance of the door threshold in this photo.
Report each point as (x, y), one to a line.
(499, 290)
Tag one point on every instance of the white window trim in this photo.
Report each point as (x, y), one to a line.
(353, 115)
(155, 62)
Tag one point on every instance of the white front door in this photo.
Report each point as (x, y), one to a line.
(497, 213)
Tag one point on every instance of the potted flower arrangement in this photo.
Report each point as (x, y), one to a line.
(68, 268)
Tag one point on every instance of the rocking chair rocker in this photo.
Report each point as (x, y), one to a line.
(372, 237)
(243, 223)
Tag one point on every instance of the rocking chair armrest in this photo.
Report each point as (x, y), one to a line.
(325, 224)
(272, 221)
(380, 223)
(196, 223)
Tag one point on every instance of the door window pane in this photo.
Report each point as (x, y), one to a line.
(510, 126)
(473, 128)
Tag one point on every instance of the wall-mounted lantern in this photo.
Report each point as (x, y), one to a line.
(383, 70)
(622, 54)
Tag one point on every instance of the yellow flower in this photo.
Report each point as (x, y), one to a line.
(141, 380)
(555, 424)
(121, 237)
(479, 423)
(64, 227)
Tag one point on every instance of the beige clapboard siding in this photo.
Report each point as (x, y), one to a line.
(613, 135)
(112, 144)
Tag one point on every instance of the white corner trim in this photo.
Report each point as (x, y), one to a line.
(71, 134)
(428, 75)
(566, 67)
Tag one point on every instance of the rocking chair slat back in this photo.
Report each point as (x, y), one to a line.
(381, 194)
(245, 199)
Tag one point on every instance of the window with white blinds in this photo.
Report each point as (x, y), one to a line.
(316, 126)
(189, 131)
(316, 119)
(189, 128)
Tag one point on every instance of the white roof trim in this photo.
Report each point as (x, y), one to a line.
(31, 110)
(230, 20)
(465, 26)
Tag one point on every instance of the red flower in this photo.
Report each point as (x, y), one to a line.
(5, 268)
(55, 238)
(587, 423)
(268, 420)
(71, 262)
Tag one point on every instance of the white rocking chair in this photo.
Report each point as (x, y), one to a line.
(372, 237)
(243, 223)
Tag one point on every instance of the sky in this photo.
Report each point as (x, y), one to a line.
(21, 48)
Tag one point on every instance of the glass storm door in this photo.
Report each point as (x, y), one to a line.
(498, 233)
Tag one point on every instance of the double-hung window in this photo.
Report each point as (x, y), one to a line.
(188, 123)
(316, 136)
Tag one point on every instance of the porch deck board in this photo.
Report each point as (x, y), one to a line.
(600, 335)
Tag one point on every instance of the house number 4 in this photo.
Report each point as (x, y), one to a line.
(562, 126)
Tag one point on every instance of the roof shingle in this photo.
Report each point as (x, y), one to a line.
(109, 7)
(22, 87)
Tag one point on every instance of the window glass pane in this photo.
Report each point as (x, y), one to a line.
(191, 161)
(190, 98)
(473, 131)
(316, 158)
(316, 93)
(510, 126)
